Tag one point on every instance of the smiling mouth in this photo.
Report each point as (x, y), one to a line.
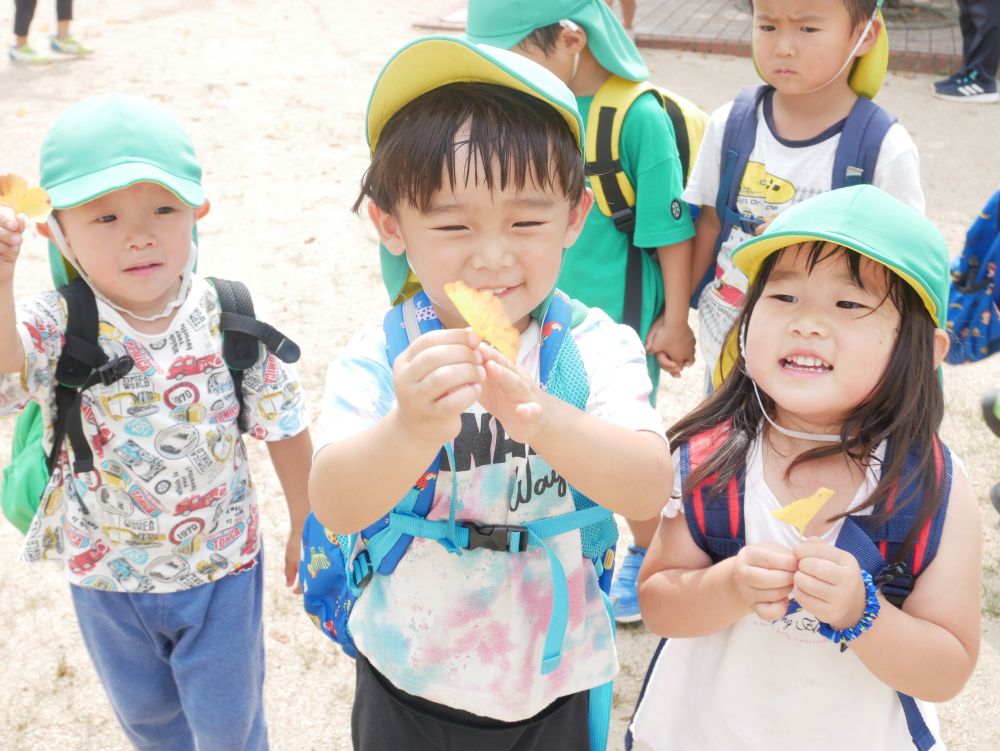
(805, 364)
(142, 268)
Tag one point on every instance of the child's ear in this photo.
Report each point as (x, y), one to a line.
(202, 211)
(388, 229)
(869, 41)
(942, 343)
(578, 217)
(574, 40)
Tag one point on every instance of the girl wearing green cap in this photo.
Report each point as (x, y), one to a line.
(808, 636)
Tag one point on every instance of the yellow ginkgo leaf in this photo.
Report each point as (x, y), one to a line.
(484, 312)
(799, 513)
(15, 194)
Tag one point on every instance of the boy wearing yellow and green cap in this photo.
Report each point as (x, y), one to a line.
(822, 61)
(583, 43)
(149, 503)
(490, 630)
(803, 632)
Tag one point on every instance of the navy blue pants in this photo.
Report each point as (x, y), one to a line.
(980, 24)
(183, 670)
(24, 11)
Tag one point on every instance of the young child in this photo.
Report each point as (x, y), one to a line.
(583, 44)
(817, 58)
(161, 540)
(477, 175)
(834, 385)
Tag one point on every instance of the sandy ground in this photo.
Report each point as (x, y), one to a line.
(273, 95)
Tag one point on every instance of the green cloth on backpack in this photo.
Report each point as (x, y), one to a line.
(27, 474)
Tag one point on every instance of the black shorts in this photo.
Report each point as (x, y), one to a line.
(385, 719)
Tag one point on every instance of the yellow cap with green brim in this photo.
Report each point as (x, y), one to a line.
(430, 62)
(867, 220)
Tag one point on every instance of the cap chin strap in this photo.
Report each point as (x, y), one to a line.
(186, 275)
(572, 26)
(818, 437)
(853, 52)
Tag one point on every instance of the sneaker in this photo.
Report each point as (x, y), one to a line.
(954, 77)
(995, 497)
(969, 88)
(624, 596)
(991, 411)
(68, 46)
(26, 55)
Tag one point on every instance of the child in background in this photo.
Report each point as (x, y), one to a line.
(453, 646)
(817, 57)
(834, 384)
(583, 44)
(171, 618)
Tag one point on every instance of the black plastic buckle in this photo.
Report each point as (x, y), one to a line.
(114, 370)
(624, 221)
(495, 537)
(896, 582)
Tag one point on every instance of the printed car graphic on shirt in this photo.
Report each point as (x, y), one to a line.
(195, 502)
(189, 365)
(86, 560)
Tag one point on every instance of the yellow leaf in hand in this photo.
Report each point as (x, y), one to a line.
(15, 194)
(484, 312)
(799, 513)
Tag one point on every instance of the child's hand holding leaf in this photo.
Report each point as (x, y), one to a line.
(15, 194)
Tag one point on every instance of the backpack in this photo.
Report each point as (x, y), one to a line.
(614, 195)
(716, 523)
(82, 364)
(334, 569)
(853, 164)
(974, 297)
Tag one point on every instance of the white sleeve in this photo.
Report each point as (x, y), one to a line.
(675, 505)
(703, 186)
(897, 171)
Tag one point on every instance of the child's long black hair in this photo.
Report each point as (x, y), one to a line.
(906, 405)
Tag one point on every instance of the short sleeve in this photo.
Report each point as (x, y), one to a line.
(358, 390)
(41, 321)
(272, 399)
(703, 185)
(897, 170)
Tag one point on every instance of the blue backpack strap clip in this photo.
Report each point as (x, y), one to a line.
(860, 142)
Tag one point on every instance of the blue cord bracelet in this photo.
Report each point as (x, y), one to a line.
(872, 608)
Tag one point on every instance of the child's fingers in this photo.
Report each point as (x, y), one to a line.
(457, 400)
(427, 362)
(821, 569)
(771, 611)
(770, 557)
(768, 578)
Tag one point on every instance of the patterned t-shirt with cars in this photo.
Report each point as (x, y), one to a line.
(170, 504)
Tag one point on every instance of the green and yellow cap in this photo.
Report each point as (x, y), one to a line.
(505, 23)
(430, 62)
(867, 220)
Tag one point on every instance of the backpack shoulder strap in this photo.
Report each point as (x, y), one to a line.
(242, 334)
(860, 142)
(738, 140)
(715, 520)
(614, 195)
(82, 364)
(689, 122)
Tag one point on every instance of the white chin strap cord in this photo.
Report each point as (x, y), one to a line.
(818, 437)
(60, 242)
(852, 53)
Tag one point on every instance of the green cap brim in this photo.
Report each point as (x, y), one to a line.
(86, 188)
(431, 62)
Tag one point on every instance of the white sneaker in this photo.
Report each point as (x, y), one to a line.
(68, 46)
(26, 55)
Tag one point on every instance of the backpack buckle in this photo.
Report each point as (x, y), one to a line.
(624, 221)
(749, 224)
(896, 582)
(499, 537)
(114, 370)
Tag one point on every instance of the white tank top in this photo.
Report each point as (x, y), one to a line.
(766, 686)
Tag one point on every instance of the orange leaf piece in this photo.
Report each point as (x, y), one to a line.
(485, 313)
(799, 513)
(15, 194)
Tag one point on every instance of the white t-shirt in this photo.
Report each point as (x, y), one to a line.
(780, 173)
(171, 504)
(761, 686)
(468, 631)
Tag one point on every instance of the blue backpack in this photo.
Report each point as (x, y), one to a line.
(853, 163)
(334, 569)
(716, 523)
(974, 298)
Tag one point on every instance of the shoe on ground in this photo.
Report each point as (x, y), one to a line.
(26, 55)
(624, 595)
(995, 496)
(68, 46)
(954, 77)
(971, 87)
(991, 411)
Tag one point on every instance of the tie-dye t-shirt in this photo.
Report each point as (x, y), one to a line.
(468, 631)
(170, 504)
